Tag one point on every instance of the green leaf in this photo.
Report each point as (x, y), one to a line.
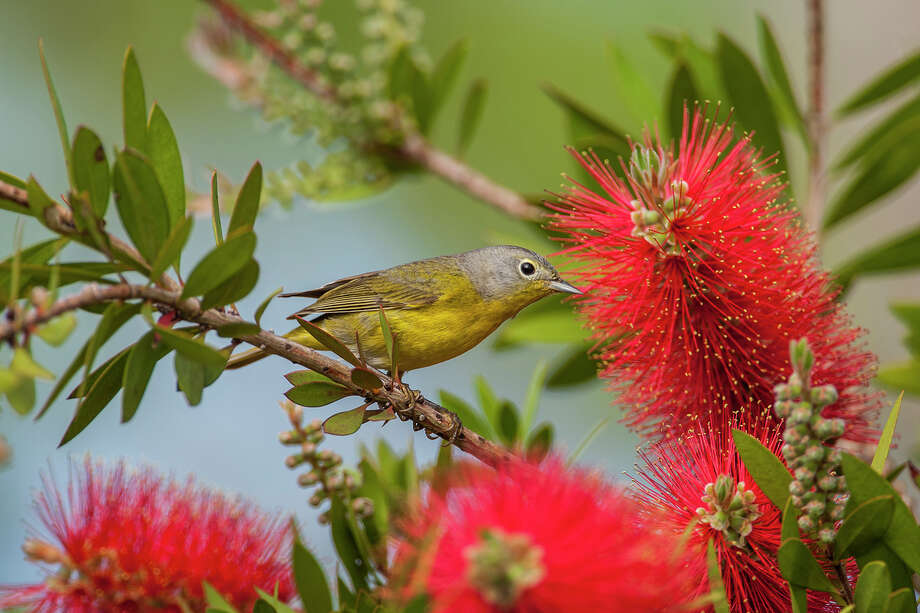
(799, 598)
(215, 600)
(631, 86)
(901, 601)
(507, 424)
(800, 567)
(903, 376)
(584, 122)
(899, 253)
(473, 105)
(190, 377)
(365, 379)
(587, 440)
(141, 203)
(540, 441)
(38, 199)
(884, 442)
(56, 331)
(220, 264)
(58, 112)
(113, 318)
(768, 471)
(311, 581)
(193, 348)
(235, 288)
(749, 96)
(871, 144)
(91, 169)
(488, 402)
(23, 364)
(789, 527)
(302, 377)
(103, 388)
(532, 400)
(388, 338)
(872, 589)
(237, 330)
(903, 535)
(420, 94)
(138, 368)
(864, 525)
(445, 73)
(782, 88)
(247, 203)
(134, 106)
(900, 575)
(714, 574)
(215, 210)
(264, 305)
(167, 162)
(317, 394)
(263, 607)
(682, 96)
(398, 78)
(573, 367)
(273, 602)
(329, 342)
(346, 546)
(895, 161)
(37, 254)
(21, 395)
(467, 414)
(889, 82)
(542, 327)
(346, 422)
(172, 247)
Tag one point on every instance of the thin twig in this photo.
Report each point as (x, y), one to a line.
(424, 413)
(817, 128)
(414, 146)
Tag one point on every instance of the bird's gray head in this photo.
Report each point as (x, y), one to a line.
(510, 272)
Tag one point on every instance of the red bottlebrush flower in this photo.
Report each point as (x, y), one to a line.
(704, 275)
(692, 478)
(537, 539)
(132, 542)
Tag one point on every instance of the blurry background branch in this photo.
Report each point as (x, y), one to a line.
(410, 144)
(817, 126)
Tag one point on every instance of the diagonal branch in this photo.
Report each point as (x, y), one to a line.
(817, 126)
(414, 147)
(424, 414)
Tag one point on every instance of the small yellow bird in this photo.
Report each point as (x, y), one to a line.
(436, 308)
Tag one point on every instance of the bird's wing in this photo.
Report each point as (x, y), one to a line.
(366, 292)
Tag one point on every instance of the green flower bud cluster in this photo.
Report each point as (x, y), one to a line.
(730, 509)
(325, 467)
(344, 174)
(502, 565)
(818, 488)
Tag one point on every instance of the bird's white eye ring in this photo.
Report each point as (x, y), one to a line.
(527, 268)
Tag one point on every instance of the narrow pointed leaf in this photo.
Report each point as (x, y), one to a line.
(871, 145)
(768, 471)
(532, 401)
(888, 83)
(235, 288)
(901, 601)
(302, 377)
(864, 525)
(346, 546)
(872, 588)
(215, 210)
(681, 95)
(138, 368)
(467, 414)
(58, 112)
(903, 376)
(247, 203)
(473, 105)
(134, 105)
(264, 305)
(445, 72)
(311, 581)
(91, 169)
(220, 264)
(631, 86)
(586, 441)
(346, 422)
(172, 247)
(141, 203)
(899, 253)
(38, 199)
(573, 367)
(237, 330)
(23, 364)
(167, 162)
(215, 599)
(884, 442)
(799, 566)
(749, 97)
(584, 122)
(193, 348)
(317, 394)
(716, 587)
(190, 377)
(98, 395)
(776, 69)
(329, 342)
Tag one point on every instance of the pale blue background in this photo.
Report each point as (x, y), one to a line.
(230, 440)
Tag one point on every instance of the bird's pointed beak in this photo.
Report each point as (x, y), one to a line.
(566, 288)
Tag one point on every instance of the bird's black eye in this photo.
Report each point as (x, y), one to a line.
(527, 268)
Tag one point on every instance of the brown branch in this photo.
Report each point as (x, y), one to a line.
(424, 413)
(414, 146)
(817, 127)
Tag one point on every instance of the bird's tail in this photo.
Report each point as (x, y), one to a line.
(298, 335)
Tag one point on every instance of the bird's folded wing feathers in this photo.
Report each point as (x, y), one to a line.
(367, 292)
